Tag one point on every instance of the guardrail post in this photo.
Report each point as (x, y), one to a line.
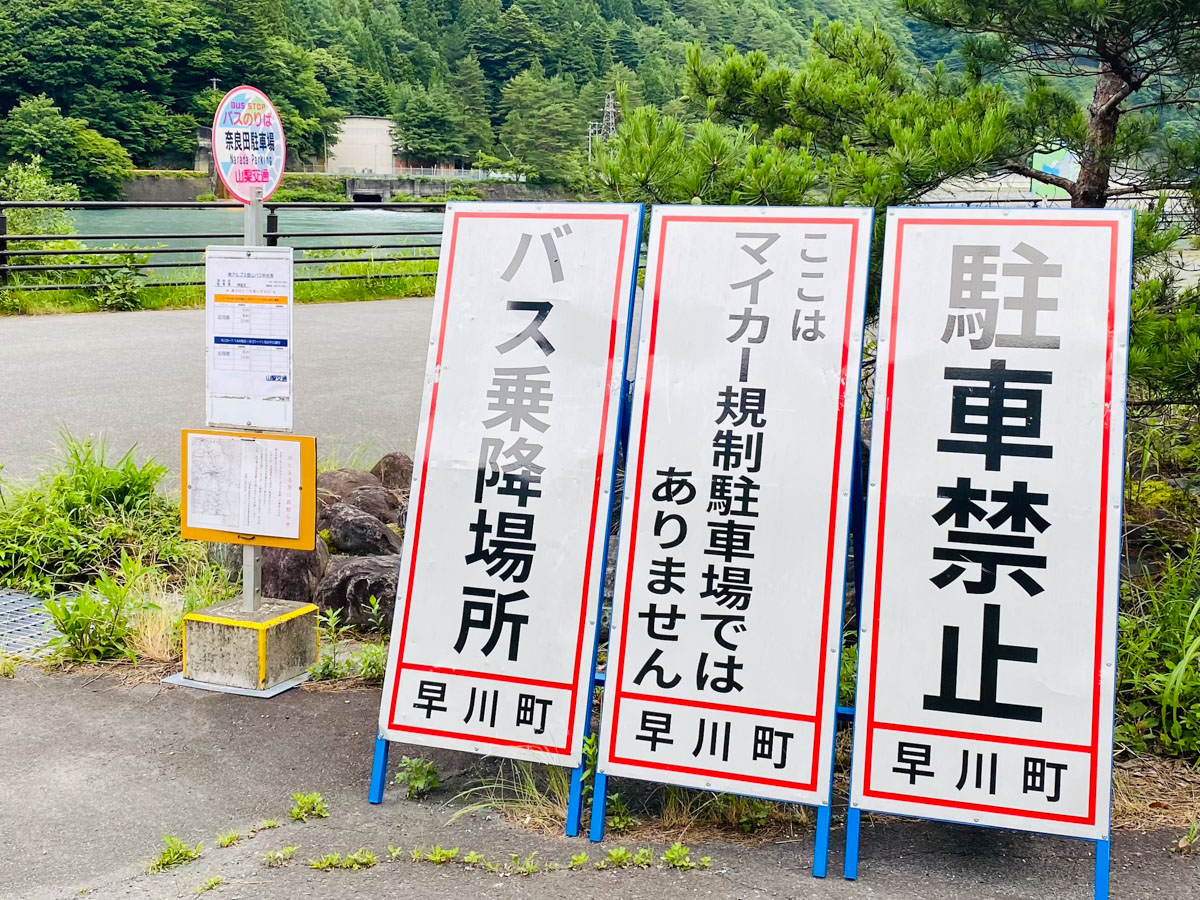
(272, 227)
(3, 248)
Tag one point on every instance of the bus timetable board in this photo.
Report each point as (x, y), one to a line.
(730, 576)
(989, 618)
(504, 558)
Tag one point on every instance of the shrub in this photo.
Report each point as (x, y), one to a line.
(95, 625)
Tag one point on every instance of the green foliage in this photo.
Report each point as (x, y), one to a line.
(308, 806)
(643, 858)
(526, 866)
(95, 624)
(377, 619)
(328, 668)
(617, 858)
(418, 775)
(174, 853)
(473, 859)
(1158, 687)
(371, 663)
(619, 817)
(359, 859)
(32, 180)
(678, 856)
(36, 129)
(394, 853)
(273, 859)
(119, 289)
(438, 856)
(427, 125)
(229, 839)
(76, 523)
(327, 862)
(209, 883)
(578, 860)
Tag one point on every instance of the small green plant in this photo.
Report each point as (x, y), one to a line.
(643, 858)
(362, 858)
(326, 862)
(526, 866)
(377, 620)
(1190, 841)
(619, 818)
(371, 661)
(209, 884)
(332, 629)
(473, 859)
(438, 856)
(95, 624)
(308, 806)
(228, 840)
(678, 856)
(551, 867)
(417, 854)
(418, 775)
(705, 862)
(617, 858)
(266, 825)
(273, 859)
(394, 853)
(578, 860)
(8, 665)
(328, 668)
(175, 853)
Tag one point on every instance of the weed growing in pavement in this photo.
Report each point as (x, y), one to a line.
(326, 862)
(617, 858)
(308, 806)
(578, 860)
(643, 858)
(361, 858)
(265, 825)
(474, 859)
(394, 853)
(418, 775)
(678, 856)
(175, 853)
(438, 856)
(273, 859)
(8, 665)
(535, 796)
(1190, 841)
(527, 866)
(209, 884)
(228, 840)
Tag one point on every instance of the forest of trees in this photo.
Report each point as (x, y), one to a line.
(517, 80)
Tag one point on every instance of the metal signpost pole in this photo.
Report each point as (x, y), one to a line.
(252, 555)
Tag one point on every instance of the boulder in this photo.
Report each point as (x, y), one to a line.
(293, 574)
(335, 484)
(351, 580)
(376, 500)
(394, 471)
(353, 531)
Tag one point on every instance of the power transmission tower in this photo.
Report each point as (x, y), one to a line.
(607, 126)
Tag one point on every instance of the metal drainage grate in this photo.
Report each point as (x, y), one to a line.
(23, 624)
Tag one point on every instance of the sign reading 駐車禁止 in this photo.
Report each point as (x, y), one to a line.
(507, 529)
(989, 616)
(247, 144)
(248, 313)
(723, 659)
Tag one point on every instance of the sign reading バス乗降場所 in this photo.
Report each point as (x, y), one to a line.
(723, 657)
(248, 146)
(989, 617)
(507, 526)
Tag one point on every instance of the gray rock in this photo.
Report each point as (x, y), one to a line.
(293, 574)
(335, 484)
(376, 500)
(394, 471)
(353, 531)
(351, 580)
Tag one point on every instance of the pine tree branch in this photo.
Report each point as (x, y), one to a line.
(1044, 177)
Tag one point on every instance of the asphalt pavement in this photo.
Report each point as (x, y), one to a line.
(138, 378)
(93, 773)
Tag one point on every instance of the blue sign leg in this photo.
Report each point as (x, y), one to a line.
(575, 802)
(850, 867)
(599, 802)
(378, 770)
(1103, 864)
(821, 848)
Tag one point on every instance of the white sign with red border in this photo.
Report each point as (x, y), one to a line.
(507, 531)
(989, 615)
(248, 145)
(723, 657)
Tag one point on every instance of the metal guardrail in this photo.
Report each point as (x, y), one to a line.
(144, 253)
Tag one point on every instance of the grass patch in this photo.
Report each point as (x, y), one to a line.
(229, 839)
(533, 795)
(8, 665)
(207, 885)
(175, 853)
(273, 859)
